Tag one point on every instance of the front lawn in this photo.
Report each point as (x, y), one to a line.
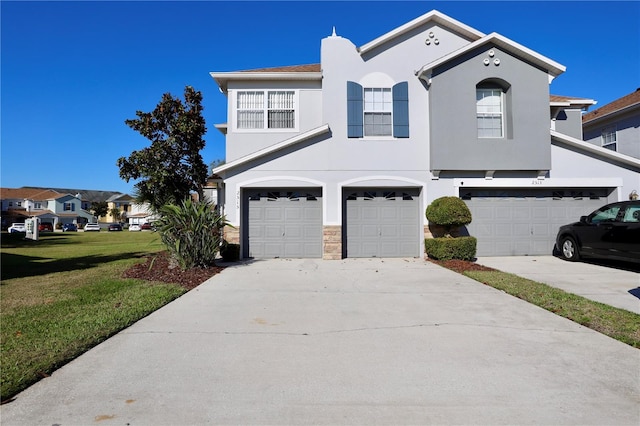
(64, 294)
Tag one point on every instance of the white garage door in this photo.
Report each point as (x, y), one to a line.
(284, 223)
(515, 222)
(382, 222)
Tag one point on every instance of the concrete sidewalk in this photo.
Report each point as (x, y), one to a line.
(599, 282)
(367, 341)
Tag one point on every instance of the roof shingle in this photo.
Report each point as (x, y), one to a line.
(617, 105)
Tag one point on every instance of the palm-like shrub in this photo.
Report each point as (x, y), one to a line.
(192, 232)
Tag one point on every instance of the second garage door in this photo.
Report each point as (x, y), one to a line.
(516, 222)
(284, 223)
(382, 222)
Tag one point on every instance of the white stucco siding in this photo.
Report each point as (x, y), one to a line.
(569, 164)
(309, 116)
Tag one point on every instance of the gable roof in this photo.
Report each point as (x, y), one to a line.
(433, 16)
(619, 105)
(553, 68)
(293, 72)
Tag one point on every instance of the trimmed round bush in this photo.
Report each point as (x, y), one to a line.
(463, 248)
(448, 212)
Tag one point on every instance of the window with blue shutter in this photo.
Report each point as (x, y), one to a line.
(354, 110)
(377, 111)
(401, 110)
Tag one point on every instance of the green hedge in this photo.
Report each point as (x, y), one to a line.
(463, 248)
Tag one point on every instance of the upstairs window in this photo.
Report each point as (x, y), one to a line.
(37, 205)
(272, 109)
(69, 207)
(377, 111)
(490, 112)
(609, 139)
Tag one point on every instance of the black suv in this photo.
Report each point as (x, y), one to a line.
(611, 232)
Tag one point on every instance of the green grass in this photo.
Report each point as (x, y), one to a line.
(64, 294)
(617, 323)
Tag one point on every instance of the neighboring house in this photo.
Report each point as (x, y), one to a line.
(341, 158)
(123, 204)
(616, 125)
(49, 206)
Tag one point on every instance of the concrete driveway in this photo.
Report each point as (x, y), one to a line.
(368, 341)
(605, 282)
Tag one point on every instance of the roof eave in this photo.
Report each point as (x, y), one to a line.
(611, 114)
(222, 78)
(270, 149)
(594, 149)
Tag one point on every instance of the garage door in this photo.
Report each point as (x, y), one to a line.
(382, 223)
(284, 223)
(525, 221)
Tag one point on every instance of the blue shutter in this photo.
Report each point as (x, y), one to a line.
(354, 110)
(73, 207)
(401, 110)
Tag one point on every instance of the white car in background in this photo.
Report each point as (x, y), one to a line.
(134, 227)
(17, 227)
(91, 227)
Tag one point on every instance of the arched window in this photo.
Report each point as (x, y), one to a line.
(491, 108)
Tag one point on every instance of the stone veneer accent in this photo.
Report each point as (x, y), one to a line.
(232, 235)
(332, 242)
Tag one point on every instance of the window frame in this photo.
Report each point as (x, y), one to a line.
(491, 114)
(265, 109)
(371, 112)
(609, 144)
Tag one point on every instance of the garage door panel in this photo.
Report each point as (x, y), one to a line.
(284, 223)
(382, 222)
(525, 221)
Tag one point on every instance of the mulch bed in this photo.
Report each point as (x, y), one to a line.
(460, 266)
(159, 267)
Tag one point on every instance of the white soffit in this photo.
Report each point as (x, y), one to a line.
(554, 68)
(434, 16)
(273, 148)
(222, 78)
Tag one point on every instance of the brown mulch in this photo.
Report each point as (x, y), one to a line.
(460, 266)
(159, 267)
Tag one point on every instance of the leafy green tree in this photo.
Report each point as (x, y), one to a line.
(192, 232)
(172, 167)
(99, 208)
(116, 214)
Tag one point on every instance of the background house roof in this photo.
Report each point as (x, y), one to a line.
(85, 194)
(36, 194)
(628, 101)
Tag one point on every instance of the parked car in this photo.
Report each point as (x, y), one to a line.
(45, 226)
(146, 226)
(611, 232)
(69, 227)
(134, 227)
(17, 227)
(89, 227)
(115, 227)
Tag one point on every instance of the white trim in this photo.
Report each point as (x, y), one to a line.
(594, 149)
(434, 16)
(273, 148)
(374, 182)
(511, 46)
(265, 109)
(222, 78)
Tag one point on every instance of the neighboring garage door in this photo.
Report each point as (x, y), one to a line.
(382, 222)
(525, 221)
(284, 223)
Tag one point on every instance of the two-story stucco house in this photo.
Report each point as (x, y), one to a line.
(48, 205)
(341, 158)
(616, 125)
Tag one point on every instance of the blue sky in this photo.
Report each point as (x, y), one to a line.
(72, 72)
